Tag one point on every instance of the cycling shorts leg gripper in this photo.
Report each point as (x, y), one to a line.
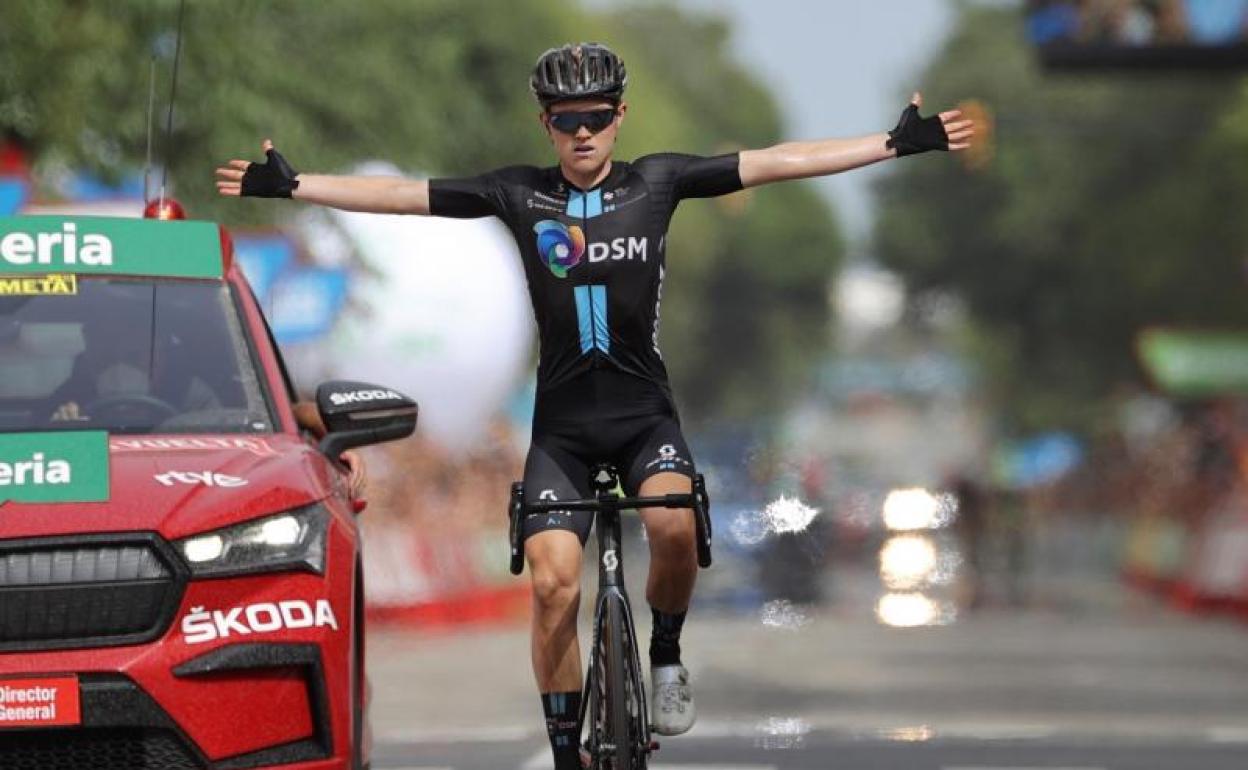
(551, 473)
(661, 450)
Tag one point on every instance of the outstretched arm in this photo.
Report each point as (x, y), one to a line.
(374, 194)
(797, 160)
(275, 178)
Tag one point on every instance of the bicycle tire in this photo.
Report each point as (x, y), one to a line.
(638, 712)
(618, 721)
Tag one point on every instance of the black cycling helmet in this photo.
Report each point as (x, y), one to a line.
(581, 71)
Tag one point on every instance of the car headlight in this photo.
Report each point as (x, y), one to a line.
(292, 540)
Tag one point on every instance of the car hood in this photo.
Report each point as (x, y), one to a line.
(181, 485)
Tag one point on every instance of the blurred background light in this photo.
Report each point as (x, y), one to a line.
(917, 508)
(788, 514)
(907, 562)
(910, 610)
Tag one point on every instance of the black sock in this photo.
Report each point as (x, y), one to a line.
(665, 638)
(562, 709)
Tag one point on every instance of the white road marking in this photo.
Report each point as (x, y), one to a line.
(1227, 734)
(712, 767)
(413, 767)
(971, 731)
(1003, 732)
(1000, 767)
(724, 730)
(457, 735)
(539, 761)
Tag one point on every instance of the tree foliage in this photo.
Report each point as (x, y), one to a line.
(1113, 203)
(439, 86)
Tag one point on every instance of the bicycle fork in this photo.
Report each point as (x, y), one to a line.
(612, 590)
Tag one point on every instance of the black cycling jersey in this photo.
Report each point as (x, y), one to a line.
(594, 260)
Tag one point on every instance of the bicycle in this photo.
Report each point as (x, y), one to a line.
(615, 693)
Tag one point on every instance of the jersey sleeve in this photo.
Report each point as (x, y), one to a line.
(467, 197)
(694, 176)
(707, 177)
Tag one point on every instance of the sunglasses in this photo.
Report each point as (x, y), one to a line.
(571, 122)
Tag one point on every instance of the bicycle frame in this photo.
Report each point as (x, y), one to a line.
(611, 589)
(606, 506)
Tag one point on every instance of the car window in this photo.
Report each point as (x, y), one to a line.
(129, 356)
(291, 391)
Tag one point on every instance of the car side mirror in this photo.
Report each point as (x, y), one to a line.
(359, 413)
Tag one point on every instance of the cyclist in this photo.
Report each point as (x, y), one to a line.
(591, 232)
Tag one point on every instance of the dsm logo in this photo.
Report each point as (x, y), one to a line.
(560, 246)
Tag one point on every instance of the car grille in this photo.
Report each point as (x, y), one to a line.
(114, 749)
(84, 594)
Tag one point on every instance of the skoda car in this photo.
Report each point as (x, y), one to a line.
(180, 579)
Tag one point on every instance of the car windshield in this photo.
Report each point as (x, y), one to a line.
(129, 356)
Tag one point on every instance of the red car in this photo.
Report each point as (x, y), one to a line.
(180, 579)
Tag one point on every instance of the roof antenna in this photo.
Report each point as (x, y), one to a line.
(151, 99)
(173, 93)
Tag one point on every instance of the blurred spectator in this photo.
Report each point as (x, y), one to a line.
(1143, 419)
(1132, 23)
(970, 524)
(1217, 466)
(418, 481)
(1138, 22)
(1157, 478)
(1216, 22)
(1051, 21)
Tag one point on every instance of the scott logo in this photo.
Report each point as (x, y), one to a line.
(669, 459)
(201, 626)
(610, 561)
(356, 396)
(61, 248)
(548, 495)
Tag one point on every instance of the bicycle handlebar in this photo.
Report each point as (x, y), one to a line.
(520, 509)
(610, 502)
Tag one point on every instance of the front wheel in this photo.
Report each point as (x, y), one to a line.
(622, 711)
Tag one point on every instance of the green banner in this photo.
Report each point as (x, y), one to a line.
(69, 467)
(1196, 363)
(109, 246)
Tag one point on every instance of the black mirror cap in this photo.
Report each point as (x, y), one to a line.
(360, 413)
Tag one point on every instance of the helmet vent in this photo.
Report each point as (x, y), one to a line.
(580, 71)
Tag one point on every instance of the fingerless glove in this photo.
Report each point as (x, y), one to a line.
(272, 179)
(914, 134)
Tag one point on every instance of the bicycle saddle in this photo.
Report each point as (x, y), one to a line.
(603, 478)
